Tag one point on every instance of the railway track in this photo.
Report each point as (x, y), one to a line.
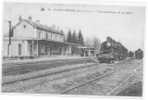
(114, 91)
(32, 75)
(13, 79)
(67, 71)
(23, 68)
(125, 83)
(107, 73)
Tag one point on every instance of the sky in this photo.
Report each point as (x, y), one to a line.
(125, 24)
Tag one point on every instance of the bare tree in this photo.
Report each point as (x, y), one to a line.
(88, 42)
(97, 44)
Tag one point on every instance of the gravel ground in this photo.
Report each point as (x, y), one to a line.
(108, 85)
(133, 90)
(43, 73)
(17, 69)
(59, 83)
(37, 84)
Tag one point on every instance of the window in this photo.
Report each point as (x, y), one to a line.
(46, 35)
(19, 49)
(49, 35)
(39, 34)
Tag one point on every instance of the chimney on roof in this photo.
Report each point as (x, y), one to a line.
(30, 18)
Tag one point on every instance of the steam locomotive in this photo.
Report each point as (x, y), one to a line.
(111, 51)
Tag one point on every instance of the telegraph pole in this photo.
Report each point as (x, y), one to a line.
(10, 34)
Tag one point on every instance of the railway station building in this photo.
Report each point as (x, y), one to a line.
(34, 39)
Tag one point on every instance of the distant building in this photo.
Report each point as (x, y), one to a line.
(88, 51)
(34, 39)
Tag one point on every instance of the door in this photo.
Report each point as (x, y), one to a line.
(48, 51)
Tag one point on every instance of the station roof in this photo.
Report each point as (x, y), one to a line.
(39, 26)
